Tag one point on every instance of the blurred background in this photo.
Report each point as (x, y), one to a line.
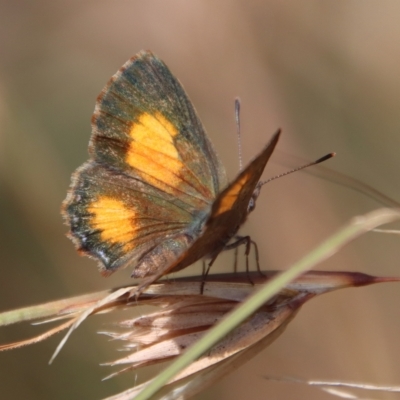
(326, 72)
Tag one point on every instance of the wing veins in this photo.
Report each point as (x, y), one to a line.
(182, 178)
(190, 113)
(173, 187)
(143, 192)
(109, 114)
(177, 227)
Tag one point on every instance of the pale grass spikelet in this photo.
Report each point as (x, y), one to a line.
(184, 315)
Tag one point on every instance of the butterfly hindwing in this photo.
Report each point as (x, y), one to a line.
(115, 218)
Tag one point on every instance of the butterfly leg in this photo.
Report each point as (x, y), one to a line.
(257, 254)
(206, 271)
(239, 241)
(204, 275)
(248, 242)
(236, 259)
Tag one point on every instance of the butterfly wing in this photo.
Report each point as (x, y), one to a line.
(145, 125)
(153, 173)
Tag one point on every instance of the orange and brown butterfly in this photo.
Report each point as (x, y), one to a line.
(154, 195)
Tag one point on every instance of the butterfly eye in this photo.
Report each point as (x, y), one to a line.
(252, 205)
(252, 202)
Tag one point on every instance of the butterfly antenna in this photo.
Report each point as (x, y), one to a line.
(346, 181)
(320, 160)
(239, 138)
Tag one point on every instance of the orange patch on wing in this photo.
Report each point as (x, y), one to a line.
(231, 196)
(114, 220)
(156, 133)
(153, 152)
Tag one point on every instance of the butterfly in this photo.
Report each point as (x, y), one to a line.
(154, 194)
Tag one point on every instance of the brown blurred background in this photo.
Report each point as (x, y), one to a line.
(326, 72)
